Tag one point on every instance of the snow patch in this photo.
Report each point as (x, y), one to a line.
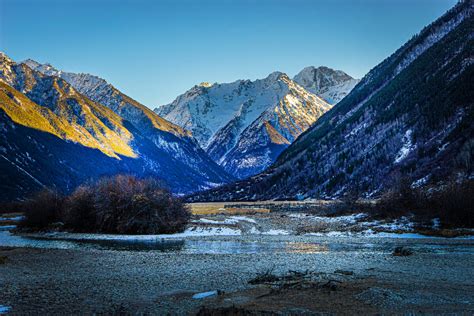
(347, 219)
(207, 221)
(436, 223)
(401, 224)
(276, 232)
(205, 294)
(407, 146)
(189, 232)
(418, 183)
(14, 219)
(242, 218)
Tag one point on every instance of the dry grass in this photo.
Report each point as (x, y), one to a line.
(214, 208)
(236, 208)
(11, 215)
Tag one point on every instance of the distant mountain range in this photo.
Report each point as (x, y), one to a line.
(409, 117)
(59, 133)
(320, 134)
(245, 125)
(64, 128)
(170, 138)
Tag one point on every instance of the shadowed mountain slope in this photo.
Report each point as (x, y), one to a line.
(411, 116)
(167, 136)
(54, 136)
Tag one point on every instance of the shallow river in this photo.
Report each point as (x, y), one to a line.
(243, 244)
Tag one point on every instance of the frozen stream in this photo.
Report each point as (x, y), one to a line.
(265, 234)
(239, 244)
(149, 274)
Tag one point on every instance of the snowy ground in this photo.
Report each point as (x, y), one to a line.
(262, 224)
(302, 224)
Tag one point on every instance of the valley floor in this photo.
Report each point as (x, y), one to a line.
(343, 273)
(438, 278)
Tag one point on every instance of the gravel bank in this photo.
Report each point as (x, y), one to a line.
(56, 281)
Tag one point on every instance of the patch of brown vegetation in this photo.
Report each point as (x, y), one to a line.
(218, 208)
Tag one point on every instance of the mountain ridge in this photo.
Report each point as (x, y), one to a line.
(43, 117)
(410, 116)
(99, 90)
(220, 115)
(167, 136)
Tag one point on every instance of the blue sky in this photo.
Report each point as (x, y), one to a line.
(156, 50)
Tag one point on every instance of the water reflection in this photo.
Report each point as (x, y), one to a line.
(126, 244)
(303, 247)
(203, 246)
(162, 245)
(10, 240)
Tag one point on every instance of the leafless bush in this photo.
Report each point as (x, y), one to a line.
(117, 205)
(41, 210)
(125, 204)
(455, 204)
(79, 210)
(452, 203)
(402, 199)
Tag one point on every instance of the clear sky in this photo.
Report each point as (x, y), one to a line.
(156, 50)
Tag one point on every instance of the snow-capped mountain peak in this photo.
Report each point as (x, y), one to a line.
(332, 85)
(244, 125)
(45, 68)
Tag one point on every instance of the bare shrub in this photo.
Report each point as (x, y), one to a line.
(125, 204)
(79, 210)
(452, 203)
(400, 200)
(264, 277)
(42, 209)
(117, 205)
(455, 204)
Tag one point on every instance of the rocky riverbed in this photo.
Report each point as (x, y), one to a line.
(214, 273)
